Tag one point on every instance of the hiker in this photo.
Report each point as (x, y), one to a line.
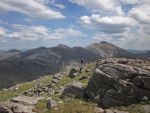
(81, 61)
(81, 67)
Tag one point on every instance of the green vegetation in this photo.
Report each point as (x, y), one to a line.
(10, 93)
(70, 106)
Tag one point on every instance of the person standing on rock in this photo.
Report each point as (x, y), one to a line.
(81, 61)
(81, 67)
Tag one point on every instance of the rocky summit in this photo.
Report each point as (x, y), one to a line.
(111, 85)
(117, 82)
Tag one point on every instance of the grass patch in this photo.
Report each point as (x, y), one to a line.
(10, 93)
(71, 106)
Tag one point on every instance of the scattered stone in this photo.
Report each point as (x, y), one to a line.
(16, 88)
(55, 108)
(51, 104)
(57, 76)
(80, 69)
(60, 102)
(87, 70)
(98, 110)
(50, 91)
(55, 81)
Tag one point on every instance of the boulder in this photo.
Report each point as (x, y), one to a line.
(76, 89)
(87, 70)
(73, 73)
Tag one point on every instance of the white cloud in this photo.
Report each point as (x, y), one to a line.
(63, 33)
(138, 40)
(108, 24)
(24, 32)
(2, 32)
(106, 6)
(32, 8)
(141, 13)
(59, 6)
(127, 28)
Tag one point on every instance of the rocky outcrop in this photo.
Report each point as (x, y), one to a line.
(116, 83)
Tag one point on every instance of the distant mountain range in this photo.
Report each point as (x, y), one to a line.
(19, 66)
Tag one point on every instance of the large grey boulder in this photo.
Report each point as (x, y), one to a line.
(76, 89)
(114, 84)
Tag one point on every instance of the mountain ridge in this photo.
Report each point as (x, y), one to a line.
(31, 64)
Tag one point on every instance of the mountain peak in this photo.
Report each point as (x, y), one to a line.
(104, 42)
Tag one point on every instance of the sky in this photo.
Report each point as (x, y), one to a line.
(26, 24)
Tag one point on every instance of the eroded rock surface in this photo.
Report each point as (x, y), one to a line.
(119, 82)
(76, 89)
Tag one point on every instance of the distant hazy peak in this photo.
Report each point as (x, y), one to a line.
(63, 46)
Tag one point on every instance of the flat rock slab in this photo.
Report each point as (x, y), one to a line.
(30, 101)
(11, 107)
